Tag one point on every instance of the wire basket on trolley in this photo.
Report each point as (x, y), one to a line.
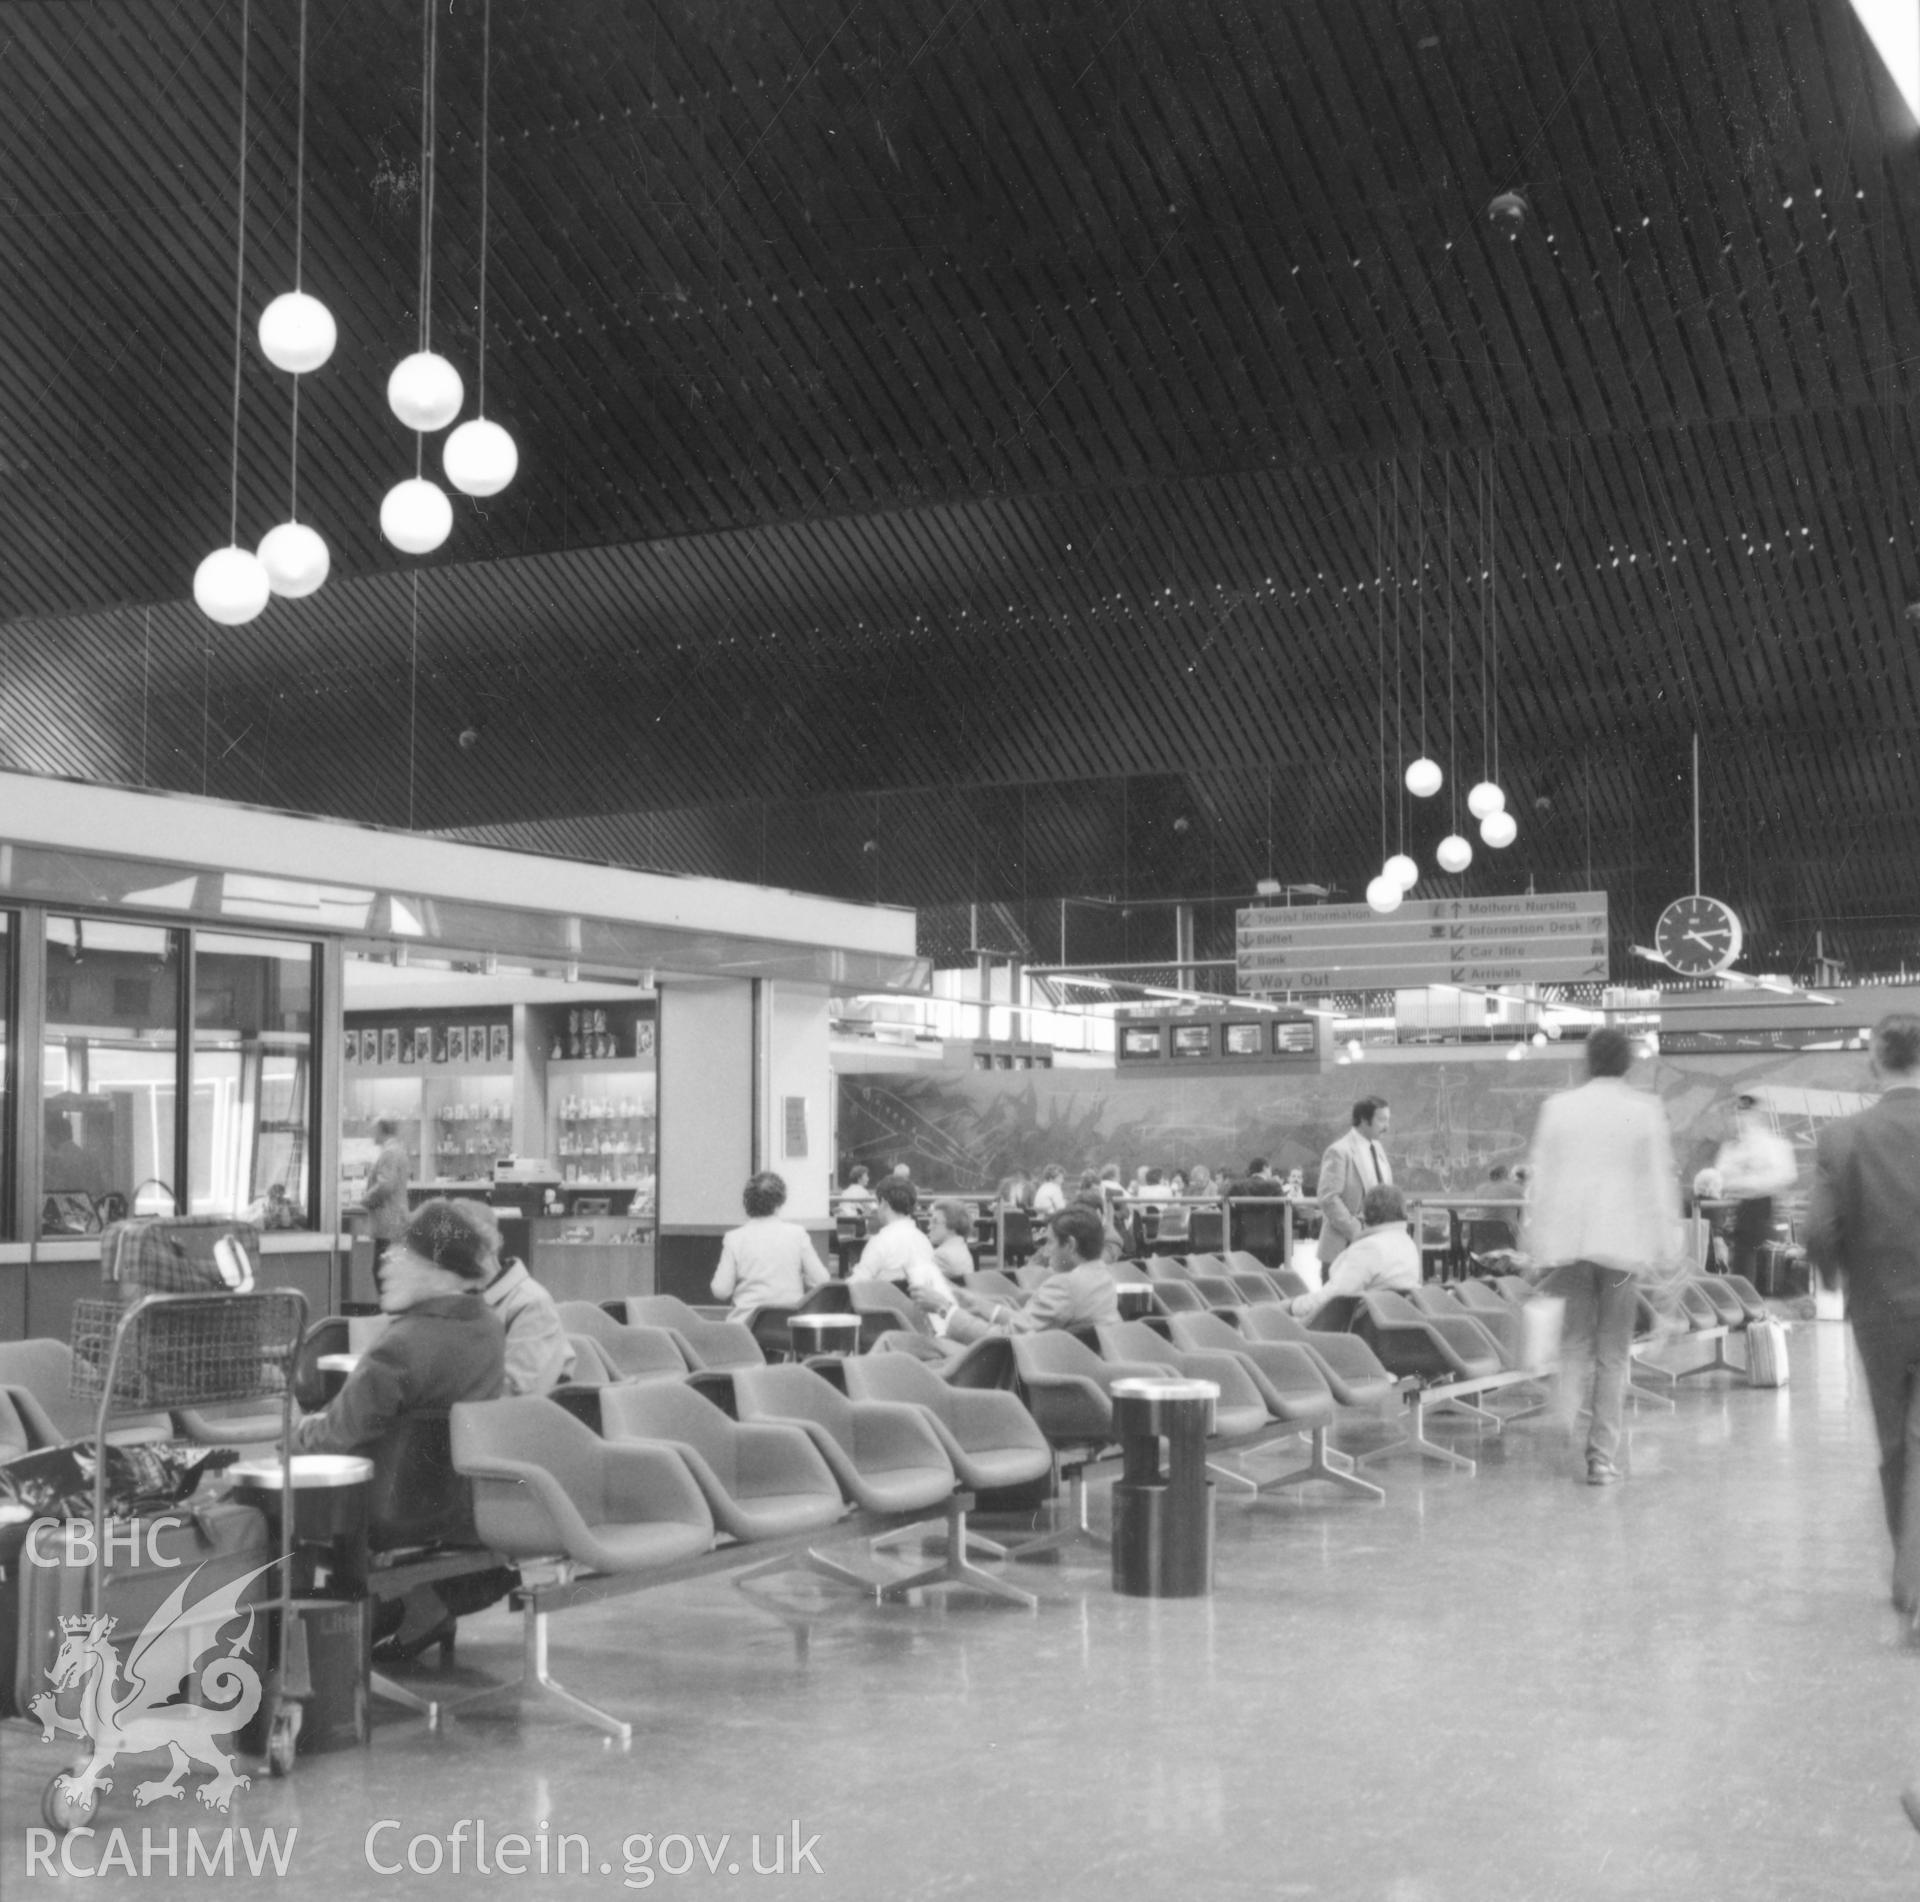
(186, 1350)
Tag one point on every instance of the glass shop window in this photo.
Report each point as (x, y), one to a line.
(249, 1137)
(109, 1075)
(6, 1065)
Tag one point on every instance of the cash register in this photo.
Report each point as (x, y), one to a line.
(523, 1187)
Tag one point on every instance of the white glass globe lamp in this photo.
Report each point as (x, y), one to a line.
(1486, 798)
(416, 516)
(231, 586)
(297, 332)
(1454, 853)
(1402, 870)
(1499, 829)
(295, 558)
(425, 391)
(480, 458)
(1424, 777)
(1385, 893)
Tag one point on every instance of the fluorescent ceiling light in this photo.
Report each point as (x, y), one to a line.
(1894, 28)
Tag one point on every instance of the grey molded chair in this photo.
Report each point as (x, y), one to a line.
(548, 1491)
(1255, 1289)
(708, 1346)
(1295, 1389)
(1165, 1268)
(760, 1481)
(44, 1369)
(992, 1442)
(886, 1307)
(1448, 1355)
(884, 1457)
(633, 1353)
(1218, 1292)
(1241, 1411)
(24, 1425)
(1063, 1384)
(1352, 1369)
(1179, 1296)
(995, 1285)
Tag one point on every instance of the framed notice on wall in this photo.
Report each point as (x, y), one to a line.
(795, 1139)
(1140, 1040)
(1193, 1040)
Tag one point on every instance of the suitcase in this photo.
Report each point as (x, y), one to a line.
(193, 1254)
(1780, 1271)
(1766, 1353)
(227, 1541)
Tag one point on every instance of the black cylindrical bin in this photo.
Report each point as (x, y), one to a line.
(330, 1567)
(1163, 1500)
(824, 1334)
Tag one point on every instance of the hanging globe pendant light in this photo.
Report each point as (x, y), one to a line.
(231, 587)
(480, 458)
(1499, 829)
(1384, 893)
(1454, 853)
(297, 332)
(1486, 799)
(425, 391)
(416, 516)
(1402, 870)
(295, 558)
(1424, 777)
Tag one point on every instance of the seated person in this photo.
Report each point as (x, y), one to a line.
(443, 1344)
(1258, 1181)
(539, 1355)
(1079, 1289)
(1051, 1196)
(765, 1262)
(1383, 1255)
(856, 1196)
(947, 1230)
(900, 1253)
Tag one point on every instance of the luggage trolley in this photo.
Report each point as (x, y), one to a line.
(169, 1351)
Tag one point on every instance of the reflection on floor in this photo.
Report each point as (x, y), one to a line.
(1507, 1686)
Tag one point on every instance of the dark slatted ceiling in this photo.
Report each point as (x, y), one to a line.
(990, 452)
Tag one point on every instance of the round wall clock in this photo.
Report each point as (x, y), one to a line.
(1698, 936)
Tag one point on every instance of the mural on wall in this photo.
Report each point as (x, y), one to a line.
(968, 1130)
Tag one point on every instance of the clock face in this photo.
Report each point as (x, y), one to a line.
(1698, 936)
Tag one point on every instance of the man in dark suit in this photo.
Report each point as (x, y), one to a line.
(1864, 1223)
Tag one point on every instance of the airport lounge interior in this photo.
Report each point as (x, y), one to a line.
(1013, 987)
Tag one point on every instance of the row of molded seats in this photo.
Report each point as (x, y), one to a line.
(671, 1478)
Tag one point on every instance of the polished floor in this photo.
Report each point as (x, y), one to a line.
(1500, 1686)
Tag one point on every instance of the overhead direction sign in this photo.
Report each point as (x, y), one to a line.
(1554, 938)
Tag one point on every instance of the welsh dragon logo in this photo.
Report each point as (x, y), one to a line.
(121, 1712)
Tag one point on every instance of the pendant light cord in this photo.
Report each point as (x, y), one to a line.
(239, 287)
(1399, 684)
(299, 253)
(1492, 605)
(486, 158)
(429, 63)
(1453, 772)
(1380, 654)
(1423, 613)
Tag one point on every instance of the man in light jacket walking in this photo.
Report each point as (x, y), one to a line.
(1605, 1210)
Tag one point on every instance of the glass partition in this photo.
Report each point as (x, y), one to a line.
(108, 1080)
(249, 1142)
(7, 995)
